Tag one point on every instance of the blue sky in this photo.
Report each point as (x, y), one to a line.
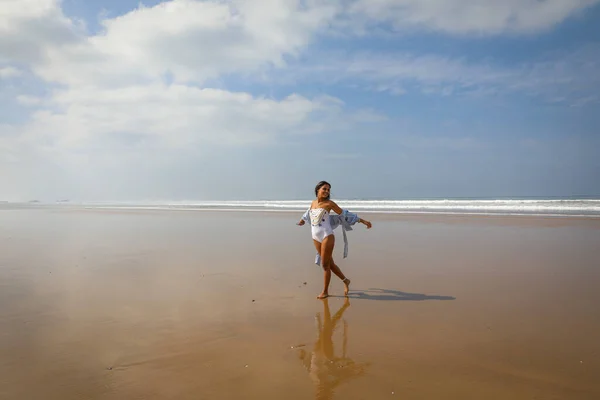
(241, 99)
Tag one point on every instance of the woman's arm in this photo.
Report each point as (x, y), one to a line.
(305, 216)
(365, 222)
(339, 211)
(333, 206)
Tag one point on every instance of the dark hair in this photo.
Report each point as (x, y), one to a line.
(320, 185)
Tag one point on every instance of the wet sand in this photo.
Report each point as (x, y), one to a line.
(214, 305)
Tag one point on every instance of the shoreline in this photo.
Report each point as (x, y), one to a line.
(496, 219)
(554, 208)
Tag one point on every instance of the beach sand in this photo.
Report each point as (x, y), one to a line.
(221, 305)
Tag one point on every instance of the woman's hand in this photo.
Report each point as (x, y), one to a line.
(300, 223)
(367, 223)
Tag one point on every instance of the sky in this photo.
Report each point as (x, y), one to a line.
(121, 100)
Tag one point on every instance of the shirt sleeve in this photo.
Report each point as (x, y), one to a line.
(350, 217)
(305, 216)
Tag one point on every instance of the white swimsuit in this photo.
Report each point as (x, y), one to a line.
(320, 224)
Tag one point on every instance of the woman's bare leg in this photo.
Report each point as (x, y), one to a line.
(326, 261)
(336, 270)
(332, 267)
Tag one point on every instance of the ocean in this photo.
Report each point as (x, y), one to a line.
(542, 207)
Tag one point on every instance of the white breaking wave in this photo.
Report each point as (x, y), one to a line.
(584, 207)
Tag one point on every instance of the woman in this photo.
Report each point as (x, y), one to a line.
(322, 234)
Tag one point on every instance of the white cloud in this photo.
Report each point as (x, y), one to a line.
(9, 72)
(466, 16)
(427, 69)
(114, 91)
(190, 40)
(29, 27)
(562, 77)
(342, 156)
(398, 74)
(174, 116)
(9, 144)
(115, 85)
(135, 133)
(197, 40)
(565, 77)
(28, 100)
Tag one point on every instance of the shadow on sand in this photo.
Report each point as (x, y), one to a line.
(390, 295)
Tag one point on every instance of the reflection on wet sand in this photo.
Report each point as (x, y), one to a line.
(326, 370)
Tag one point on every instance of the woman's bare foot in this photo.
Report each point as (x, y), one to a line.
(346, 286)
(323, 296)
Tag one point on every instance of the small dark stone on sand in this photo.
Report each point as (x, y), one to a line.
(253, 301)
(304, 283)
(109, 368)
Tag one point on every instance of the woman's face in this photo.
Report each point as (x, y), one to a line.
(323, 192)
